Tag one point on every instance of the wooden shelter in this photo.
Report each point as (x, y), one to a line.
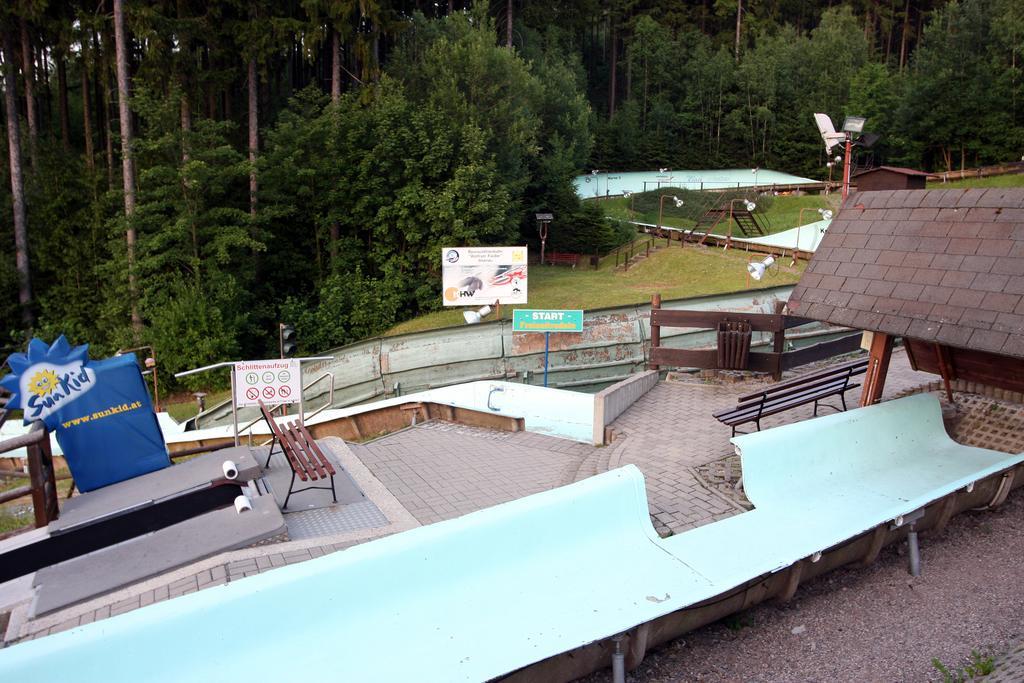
(943, 269)
(890, 178)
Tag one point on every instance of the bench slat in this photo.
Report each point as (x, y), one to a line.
(297, 459)
(752, 415)
(772, 406)
(853, 368)
(309, 461)
(810, 388)
(313, 447)
(768, 398)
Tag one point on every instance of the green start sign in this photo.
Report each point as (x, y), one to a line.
(532, 320)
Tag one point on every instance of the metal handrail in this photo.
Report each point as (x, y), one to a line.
(330, 395)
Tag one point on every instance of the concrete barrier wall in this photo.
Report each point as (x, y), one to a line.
(611, 402)
(614, 345)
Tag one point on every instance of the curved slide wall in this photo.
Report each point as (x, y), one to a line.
(486, 594)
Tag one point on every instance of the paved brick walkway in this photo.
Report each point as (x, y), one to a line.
(670, 430)
(440, 470)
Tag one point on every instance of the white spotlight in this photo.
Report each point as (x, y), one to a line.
(826, 214)
(757, 270)
(678, 201)
(749, 205)
(473, 317)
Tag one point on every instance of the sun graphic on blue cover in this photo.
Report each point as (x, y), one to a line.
(48, 376)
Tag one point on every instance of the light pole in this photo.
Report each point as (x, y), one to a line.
(826, 215)
(754, 171)
(597, 182)
(852, 124)
(543, 221)
(150, 363)
(661, 207)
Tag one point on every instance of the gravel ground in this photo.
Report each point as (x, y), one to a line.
(873, 624)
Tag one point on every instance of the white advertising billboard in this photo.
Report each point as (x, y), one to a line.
(478, 276)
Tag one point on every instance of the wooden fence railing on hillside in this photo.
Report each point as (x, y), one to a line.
(731, 326)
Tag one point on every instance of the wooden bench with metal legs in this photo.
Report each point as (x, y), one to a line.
(303, 454)
(810, 388)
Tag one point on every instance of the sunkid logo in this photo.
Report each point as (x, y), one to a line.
(46, 387)
(47, 378)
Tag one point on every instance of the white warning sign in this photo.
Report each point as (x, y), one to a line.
(270, 381)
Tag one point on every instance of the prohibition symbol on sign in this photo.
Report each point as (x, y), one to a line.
(268, 392)
(285, 391)
(252, 394)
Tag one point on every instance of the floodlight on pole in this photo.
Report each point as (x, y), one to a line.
(757, 269)
(854, 124)
(749, 205)
(826, 214)
(661, 207)
(474, 317)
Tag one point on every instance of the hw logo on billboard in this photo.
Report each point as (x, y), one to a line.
(48, 378)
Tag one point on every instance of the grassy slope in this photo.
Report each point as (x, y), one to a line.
(673, 271)
(783, 214)
(1009, 180)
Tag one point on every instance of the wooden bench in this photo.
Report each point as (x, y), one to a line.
(781, 397)
(558, 258)
(303, 454)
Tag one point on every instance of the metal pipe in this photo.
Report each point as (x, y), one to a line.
(618, 661)
(915, 552)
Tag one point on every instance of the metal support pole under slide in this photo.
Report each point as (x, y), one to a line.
(547, 339)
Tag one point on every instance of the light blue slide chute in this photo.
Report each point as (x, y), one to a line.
(479, 596)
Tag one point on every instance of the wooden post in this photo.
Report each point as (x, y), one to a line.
(779, 340)
(945, 363)
(44, 484)
(655, 329)
(878, 367)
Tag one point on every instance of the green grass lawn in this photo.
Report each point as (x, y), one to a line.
(1008, 180)
(673, 271)
(183, 410)
(783, 214)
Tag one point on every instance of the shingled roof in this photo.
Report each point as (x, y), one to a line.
(943, 266)
(895, 169)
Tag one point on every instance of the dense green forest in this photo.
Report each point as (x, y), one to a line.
(187, 174)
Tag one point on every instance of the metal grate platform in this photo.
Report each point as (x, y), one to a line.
(334, 520)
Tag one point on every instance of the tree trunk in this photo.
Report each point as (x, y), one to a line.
(17, 185)
(87, 108)
(335, 67)
(46, 113)
(508, 27)
(28, 73)
(254, 138)
(186, 126)
(613, 70)
(739, 20)
(62, 98)
(127, 158)
(903, 36)
(104, 86)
